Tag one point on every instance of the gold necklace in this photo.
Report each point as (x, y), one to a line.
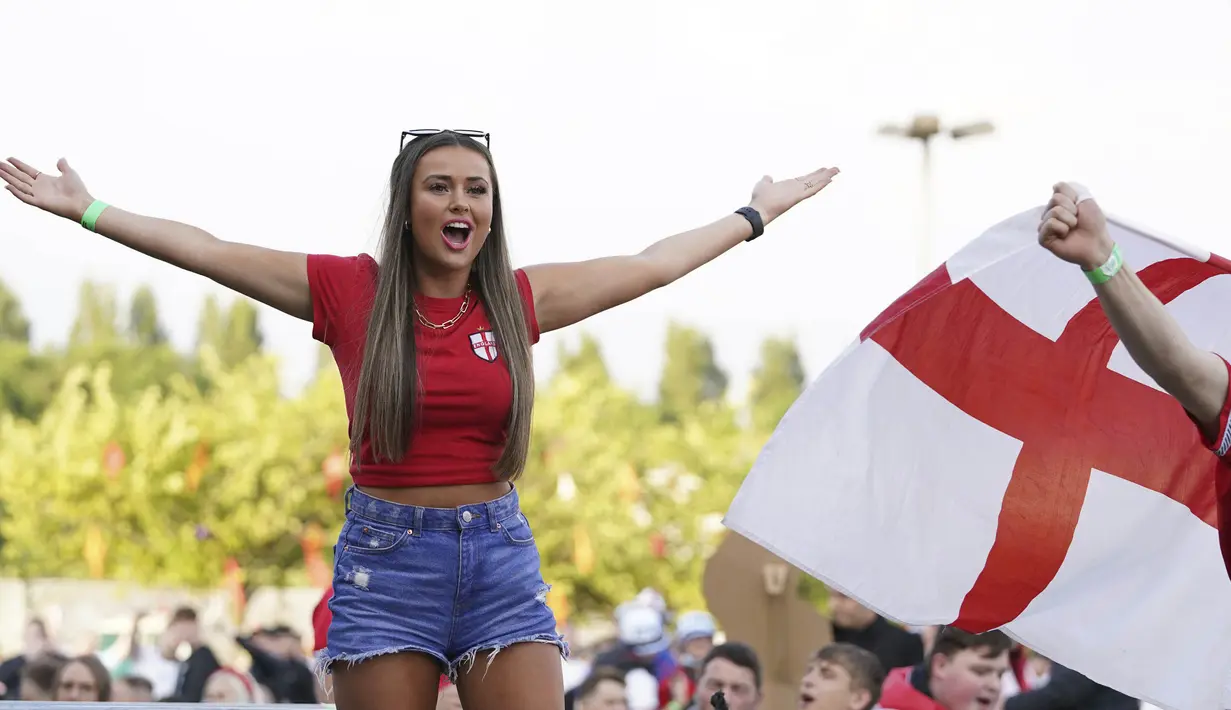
(449, 323)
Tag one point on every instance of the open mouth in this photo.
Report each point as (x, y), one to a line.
(805, 700)
(457, 235)
(984, 702)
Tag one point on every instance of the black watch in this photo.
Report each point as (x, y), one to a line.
(754, 218)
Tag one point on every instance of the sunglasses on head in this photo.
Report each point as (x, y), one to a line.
(419, 133)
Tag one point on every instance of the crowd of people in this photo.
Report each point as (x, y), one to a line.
(870, 663)
(179, 667)
(657, 660)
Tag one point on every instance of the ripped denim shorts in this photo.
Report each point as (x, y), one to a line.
(447, 582)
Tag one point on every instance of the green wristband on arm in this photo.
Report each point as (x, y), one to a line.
(91, 214)
(1110, 268)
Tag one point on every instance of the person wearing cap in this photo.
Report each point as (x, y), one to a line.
(643, 643)
(694, 638)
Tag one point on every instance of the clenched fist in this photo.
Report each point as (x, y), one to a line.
(1074, 228)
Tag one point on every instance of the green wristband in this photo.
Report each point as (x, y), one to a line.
(91, 214)
(1110, 268)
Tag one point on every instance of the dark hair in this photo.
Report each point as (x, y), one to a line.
(102, 678)
(184, 613)
(41, 671)
(598, 675)
(951, 640)
(862, 665)
(389, 382)
(138, 682)
(740, 654)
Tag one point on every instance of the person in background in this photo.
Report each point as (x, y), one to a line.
(856, 624)
(38, 676)
(132, 689)
(161, 663)
(321, 617)
(694, 638)
(841, 676)
(83, 679)
(603, 689)
(734, 669)
(201, 662)
(963, 672)
(643, 643)
(1066, 689)
(35, 642)
(278, 664)
(227, 686)
(447, 697)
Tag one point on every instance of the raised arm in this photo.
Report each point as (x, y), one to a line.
(567, 293)
(276, 278)
(1074, 229)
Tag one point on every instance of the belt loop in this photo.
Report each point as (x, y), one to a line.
(493, 520)
(346, 498)
(417, 525)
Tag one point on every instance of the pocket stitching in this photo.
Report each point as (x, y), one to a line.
(399, 540)
(508, 536)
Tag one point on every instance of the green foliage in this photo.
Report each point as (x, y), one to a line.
(174, 464)
(691, 375)
(143, 326)
(14, 326)
(232, 473)
(777, 382)
(97, 317)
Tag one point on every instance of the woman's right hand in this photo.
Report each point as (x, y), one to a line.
(64, 195)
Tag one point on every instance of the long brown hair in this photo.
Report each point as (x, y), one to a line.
(389, 383)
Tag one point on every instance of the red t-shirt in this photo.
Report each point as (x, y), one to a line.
(461, 424)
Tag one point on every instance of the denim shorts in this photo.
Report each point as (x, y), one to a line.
(447, 582)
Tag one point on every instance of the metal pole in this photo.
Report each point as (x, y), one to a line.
(925, 208)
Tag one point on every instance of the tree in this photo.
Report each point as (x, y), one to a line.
(585, 361)
(620, 500)
(776, 382)
(28, 380)
(97, 316)
(691, 375)
(143, 326)
(14, 326)
(242, 335)
(211, 325)
(167, 488)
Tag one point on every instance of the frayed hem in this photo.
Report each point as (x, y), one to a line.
(468, 658)
(323, 665)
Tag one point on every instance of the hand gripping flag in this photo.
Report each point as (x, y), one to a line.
(989, 455)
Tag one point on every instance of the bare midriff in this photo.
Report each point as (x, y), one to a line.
(441, 496)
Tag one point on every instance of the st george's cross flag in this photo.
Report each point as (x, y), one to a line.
(988, 455)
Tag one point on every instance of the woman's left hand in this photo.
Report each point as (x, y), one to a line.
(772, 199)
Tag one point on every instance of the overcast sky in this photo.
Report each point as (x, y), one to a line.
(275, 123)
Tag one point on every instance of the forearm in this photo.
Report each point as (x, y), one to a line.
(679, 254)
(175, 243)
(1197, 378)
(275, 278)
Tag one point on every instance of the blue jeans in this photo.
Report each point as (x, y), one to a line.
(447, 582)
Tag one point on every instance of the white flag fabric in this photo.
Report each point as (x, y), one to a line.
(989, 455)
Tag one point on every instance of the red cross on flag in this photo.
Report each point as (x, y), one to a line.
(989, 455)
